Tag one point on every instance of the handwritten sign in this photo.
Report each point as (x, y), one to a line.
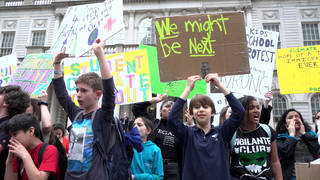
(299, 69)
(83, 24)
(174, 88)
(130, 74)
(8, 66)
(34, 73)
(262, 47)
(189, 45)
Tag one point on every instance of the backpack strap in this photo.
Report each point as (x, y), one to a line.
(266, 128)
(77, 116)
(41, 152)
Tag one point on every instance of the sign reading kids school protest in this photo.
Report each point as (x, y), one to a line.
(8, 66)
(83, 24)
(130, 72)
(262, 47)
(34, 73)
(198, 44)
(299, 69)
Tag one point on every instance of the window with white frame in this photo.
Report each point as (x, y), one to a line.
(273, 27)
(38, 38)
(118, 38)
(146, 32)
(315, 104)
(279, 105)
(7, 43)
(310, 34)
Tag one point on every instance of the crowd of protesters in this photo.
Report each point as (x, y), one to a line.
(243, 146)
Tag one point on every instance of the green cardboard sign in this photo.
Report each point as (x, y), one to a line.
(175, 88)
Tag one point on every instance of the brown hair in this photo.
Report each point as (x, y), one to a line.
(222, 117)
(204, 100)
(92, 79)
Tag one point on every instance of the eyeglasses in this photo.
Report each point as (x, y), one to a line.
(318, 117)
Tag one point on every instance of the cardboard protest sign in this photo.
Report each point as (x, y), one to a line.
(198, 44)
(34, 73)
(262, 47)
(174, 88)
(8, 66)
(299, 69)
(130, 74)
(83, 24)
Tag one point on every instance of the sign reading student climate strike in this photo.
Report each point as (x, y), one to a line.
(34, 73)
(262, 47)
(198, 44)
(299, 69)
(83, 24)
(8, 66)
(130, 72)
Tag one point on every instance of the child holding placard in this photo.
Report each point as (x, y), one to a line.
(205, 146)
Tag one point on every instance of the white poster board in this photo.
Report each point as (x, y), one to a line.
(83, 24)
(262, 47)
(8, 66)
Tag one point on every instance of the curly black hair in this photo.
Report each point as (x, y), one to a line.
(281, 126)
(23, 122)
(18, 100)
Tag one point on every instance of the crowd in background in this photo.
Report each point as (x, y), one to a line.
(243, 146)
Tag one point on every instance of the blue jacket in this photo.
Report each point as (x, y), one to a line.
(205, 156)
(148, 163)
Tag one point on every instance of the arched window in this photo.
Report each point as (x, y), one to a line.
(279, 105)
(315, 104)
(146, 32)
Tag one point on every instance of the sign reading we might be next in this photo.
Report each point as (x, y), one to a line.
(198, 44)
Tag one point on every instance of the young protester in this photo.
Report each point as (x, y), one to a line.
(162, 136)
(39, 108)
(24, 161)
(296, 142)
(148, 163)
(189, 119)
(317, 125)
(253, 148)
(12, 101)
(265, 112)
(224, 114)
(205, 146)
(59, 131)
(91, 127)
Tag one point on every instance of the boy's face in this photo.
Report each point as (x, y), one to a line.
(2, 102)
(166, 108)
(143, 130)
(22, 137)
(202, 114)
(86, 96)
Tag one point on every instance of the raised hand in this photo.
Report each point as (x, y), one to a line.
(302, 130)
(159, 98)
(60, 56)
(43, 96)
(16, 148)
(98, 47)
(291, 127)
(191, 81)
